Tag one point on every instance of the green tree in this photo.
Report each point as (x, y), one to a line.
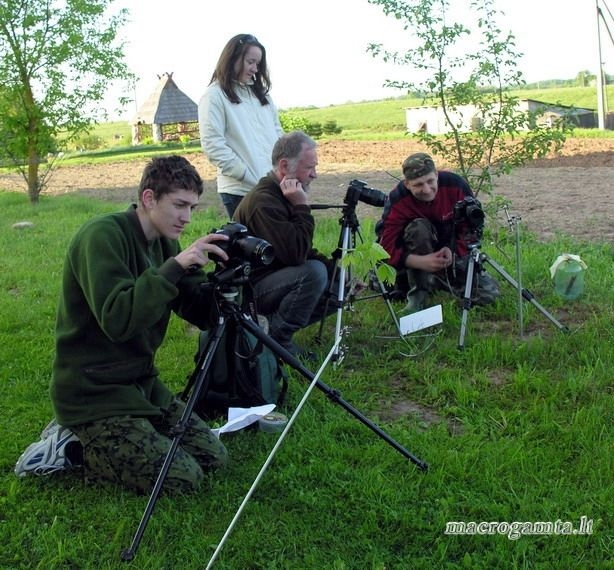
(57, 60)
(470, 68)
(585, 78)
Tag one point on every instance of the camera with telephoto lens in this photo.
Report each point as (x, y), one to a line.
(469, 210)
(358, 190)
(241, 247)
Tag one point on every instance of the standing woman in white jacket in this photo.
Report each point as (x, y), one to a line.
(238, 120)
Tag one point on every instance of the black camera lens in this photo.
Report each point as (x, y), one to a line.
(257, 249)
(469, 210)
(373, 197)
(475, 215)
(242, 248)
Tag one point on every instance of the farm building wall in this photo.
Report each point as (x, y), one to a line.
(467, 117)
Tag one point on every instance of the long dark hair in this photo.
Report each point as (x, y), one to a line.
(224, 72)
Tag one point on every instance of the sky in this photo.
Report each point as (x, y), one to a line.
(317, 50)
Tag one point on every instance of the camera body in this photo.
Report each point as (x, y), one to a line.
(241, 247)
(469, 210)
(359, 191)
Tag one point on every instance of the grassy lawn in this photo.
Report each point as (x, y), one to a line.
(515, 430)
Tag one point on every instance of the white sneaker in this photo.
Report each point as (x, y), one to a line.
(49, 454)
(50, 429)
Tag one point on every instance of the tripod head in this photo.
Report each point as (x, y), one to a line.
(227, 285)
(228, 276)
(476, 254)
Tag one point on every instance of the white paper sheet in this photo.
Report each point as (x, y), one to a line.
(421, 320)
(239, 418)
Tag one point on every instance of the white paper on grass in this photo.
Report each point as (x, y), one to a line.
(420, 320)
(239, 418)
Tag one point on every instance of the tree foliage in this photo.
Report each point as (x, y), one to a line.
(57, 60)
(470, 66)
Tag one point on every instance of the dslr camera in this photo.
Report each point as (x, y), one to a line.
(359, 191)
(241, 247)
(469, 210)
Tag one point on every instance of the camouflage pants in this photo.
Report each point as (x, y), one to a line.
(130, 451)
(420, 237)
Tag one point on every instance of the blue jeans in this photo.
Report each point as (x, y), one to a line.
(230, 201)
(292, 298)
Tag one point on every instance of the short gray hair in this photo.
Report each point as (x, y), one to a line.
(290, 146)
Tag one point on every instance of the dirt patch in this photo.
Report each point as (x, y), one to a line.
(554, 194)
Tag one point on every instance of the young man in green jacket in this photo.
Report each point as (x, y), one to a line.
(124, 273)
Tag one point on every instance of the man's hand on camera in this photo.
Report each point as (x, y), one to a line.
(197, 254)
(293, 191)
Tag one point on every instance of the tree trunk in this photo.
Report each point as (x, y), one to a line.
(33, 179)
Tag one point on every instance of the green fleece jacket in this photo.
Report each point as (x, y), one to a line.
(118, 291)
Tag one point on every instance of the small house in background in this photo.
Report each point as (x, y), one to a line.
(167, 114)
(431, 119)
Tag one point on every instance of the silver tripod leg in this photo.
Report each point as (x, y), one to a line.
(519, 279)
(345, 245)
(467, 296)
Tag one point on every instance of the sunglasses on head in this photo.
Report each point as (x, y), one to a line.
(248, 38)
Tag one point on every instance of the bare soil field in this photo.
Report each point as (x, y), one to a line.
(571, 192)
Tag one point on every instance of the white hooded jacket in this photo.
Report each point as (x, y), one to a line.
(237, 138)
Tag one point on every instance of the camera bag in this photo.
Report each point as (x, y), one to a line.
(243, 373)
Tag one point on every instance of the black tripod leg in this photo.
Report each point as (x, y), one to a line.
(198, 384)
(526, 295)
(332, 394)
(466, 301)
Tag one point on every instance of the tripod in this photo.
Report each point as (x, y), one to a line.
(226, 294)
(476, 261)
(350, 229)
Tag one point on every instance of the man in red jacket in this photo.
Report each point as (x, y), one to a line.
(429, 220)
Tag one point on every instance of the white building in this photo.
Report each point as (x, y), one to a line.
(431, 119)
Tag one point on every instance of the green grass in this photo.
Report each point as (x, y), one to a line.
(513, 429)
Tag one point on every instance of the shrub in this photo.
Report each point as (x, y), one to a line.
(293, 122)
(331, 128)
(314, 130)
(89, 142)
